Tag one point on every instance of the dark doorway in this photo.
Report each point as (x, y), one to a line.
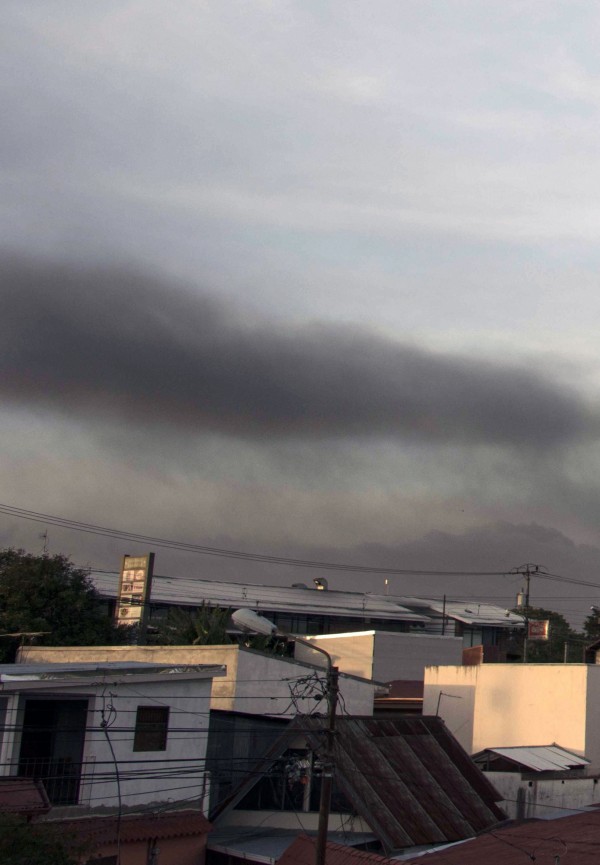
(52, 746)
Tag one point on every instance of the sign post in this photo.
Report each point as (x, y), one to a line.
(133, 600)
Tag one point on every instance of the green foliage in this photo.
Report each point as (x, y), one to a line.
(199, 626)
(24, 843)
(49, 594)
(553, 650)
(267, 643)
(207, 626)
(591, 627)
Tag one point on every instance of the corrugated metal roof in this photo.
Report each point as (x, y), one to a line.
(267, 845)
(539, 758)
(408, 778)
(285, 599)
(472, 613)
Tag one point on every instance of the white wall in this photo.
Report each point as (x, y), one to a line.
(518, 704)
(384, 655)
(405, 656)
(144, 776)
(255, 682)
(542, 797)
(150, 776)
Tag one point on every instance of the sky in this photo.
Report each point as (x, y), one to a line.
(310, 279)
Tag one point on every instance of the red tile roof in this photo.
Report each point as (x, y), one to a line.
(103, 830)
(575, 840)
(302, 852)
(25, 796)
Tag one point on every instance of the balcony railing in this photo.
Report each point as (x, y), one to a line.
(61, 777)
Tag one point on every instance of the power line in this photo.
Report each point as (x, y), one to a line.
(90, 528)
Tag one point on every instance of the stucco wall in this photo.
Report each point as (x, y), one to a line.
(405, 656)
(255, 682)
(531, 704)
(542, 797)
(351, 653)
(450, 693)
(385, 655)
(223, 686)
(592, 729)
(110, 763)
(517, 704)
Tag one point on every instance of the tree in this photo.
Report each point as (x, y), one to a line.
(23, 843)
(48, 594)
(591, 626)
(199, 626)
(208, 626)
(552, 650)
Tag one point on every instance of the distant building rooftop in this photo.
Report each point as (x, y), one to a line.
(292, 600)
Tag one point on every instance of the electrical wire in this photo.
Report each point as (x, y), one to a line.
(90, 528)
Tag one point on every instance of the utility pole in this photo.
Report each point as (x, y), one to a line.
(527, 571)
(327, 772)
(250, 620)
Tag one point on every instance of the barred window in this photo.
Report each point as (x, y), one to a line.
(151, 727)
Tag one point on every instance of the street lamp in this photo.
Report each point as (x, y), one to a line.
(249, 620)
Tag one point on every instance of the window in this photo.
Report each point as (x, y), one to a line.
(151, 726)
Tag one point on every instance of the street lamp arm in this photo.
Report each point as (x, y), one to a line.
(250, 620)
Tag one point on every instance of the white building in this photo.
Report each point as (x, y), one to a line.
(300, 609)
(107, 734)
(507, 705)
(255, 682)
(383, 656)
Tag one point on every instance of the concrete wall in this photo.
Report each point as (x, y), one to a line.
(542, 797)
(384, 655)
(352, 653)
(450, 693)
(255, 682)
(592, 730)
(494, 705)
(405, 656)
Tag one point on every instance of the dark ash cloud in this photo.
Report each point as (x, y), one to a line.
(116, 343)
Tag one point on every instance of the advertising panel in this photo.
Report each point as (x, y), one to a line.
(134, 592)
(538, 629)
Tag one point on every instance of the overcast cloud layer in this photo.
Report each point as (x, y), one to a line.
(305, 277)
(118, 344)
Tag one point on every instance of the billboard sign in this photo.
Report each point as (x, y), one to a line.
(538, 629)
(134, 591)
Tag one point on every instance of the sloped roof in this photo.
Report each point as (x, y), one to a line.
(573, 840)
(25, 796)
(100, 831)
(285, 599)
(472, 613)
(408, 778)
(302, 852)
(539, 758)
(267, 844)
